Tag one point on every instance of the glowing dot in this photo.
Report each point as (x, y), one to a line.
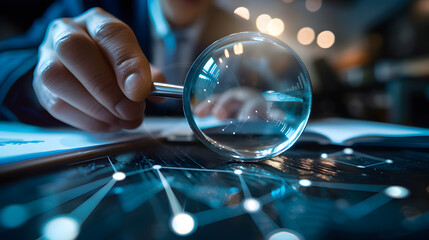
(13, 215)
(205, 90)
(248, 117)
(275, 27)
(306, 36)
(183, 224)
(242, 12)
(284, 235)
(119, 176)
(397, 192)
(305, 182)
(226, 66)
(226, 53)
(61, 227)
(238, 172)
(389, 161)
(156, 167)
(230, 121)
(217, 82)
(313, 5)
(220, 60)
(223, 130)
(256, 111)
(348, 151)
(324, 155)
(360, 166)
(251, 205)
(233, 133)
(208, 100)
(262, 22)
(326, 39)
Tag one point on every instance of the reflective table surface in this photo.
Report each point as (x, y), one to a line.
(185, 191)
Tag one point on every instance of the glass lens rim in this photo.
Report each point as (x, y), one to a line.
(201, 60)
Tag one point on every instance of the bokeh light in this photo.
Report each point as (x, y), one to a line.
(242, 12)
(13, 215)
(238, 49)
(313, 5)
(306, 36)
(262, 22)
(275, 27)
(326, 39)
(61, 228)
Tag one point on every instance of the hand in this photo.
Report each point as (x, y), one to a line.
(92, 74)
(239, 103)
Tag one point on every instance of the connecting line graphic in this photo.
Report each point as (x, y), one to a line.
(182, 223)
(70, 223)
(349, 152)
(36, 207)
(370, 204)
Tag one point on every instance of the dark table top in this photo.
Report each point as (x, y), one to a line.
(171, 190)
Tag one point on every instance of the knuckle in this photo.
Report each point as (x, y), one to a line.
(69, 41)
(56, 108)
(108, 30)
(101, 88)
(94, 10)
(49, 71)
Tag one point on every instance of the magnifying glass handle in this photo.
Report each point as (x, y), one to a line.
(166, 90)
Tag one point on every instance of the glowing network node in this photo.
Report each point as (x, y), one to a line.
(284, 234)
(324, 155)
(348, 151)
(183, 224)
(389, 161)
(305, 182)
(62, 228)
(251, 205)
(360, 166)
(13, 216)
(119, 176)
(397, 192)
(156, 167)
(238, 172)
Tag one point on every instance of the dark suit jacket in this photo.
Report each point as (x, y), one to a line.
(18, 55)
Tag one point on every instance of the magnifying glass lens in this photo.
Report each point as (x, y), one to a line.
(248, 96)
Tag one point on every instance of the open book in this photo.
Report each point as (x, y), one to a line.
(348, 132)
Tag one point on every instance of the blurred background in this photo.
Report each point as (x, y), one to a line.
(367, 59)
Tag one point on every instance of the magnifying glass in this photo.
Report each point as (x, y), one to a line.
(247, 96)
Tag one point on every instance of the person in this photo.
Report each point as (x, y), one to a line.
(94, 69)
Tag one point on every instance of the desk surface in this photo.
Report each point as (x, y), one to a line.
(174, 189)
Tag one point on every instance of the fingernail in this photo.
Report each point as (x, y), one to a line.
(133, 82)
